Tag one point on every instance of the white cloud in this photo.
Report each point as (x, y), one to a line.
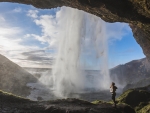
(9, 31)
(48, 24)
(12, 46)
(42, 39)
(33, 13)
(2, 19)
(116, 31)
(17, 10)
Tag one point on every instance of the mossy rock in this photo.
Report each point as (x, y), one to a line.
(11, 98)
(141, 105)
(145, 109)
(134, 97)
(98, 102)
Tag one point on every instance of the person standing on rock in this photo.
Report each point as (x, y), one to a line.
(113, 92)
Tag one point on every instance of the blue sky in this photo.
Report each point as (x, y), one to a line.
(28, 38)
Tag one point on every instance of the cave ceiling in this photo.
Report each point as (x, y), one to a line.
(134, 12)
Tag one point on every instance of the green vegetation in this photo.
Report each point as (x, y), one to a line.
(138, 99)
(134, 97)
(145, 109)
(98, 102)
(140, 106)
(9, 97)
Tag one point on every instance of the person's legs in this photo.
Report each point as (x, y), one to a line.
(113, 98)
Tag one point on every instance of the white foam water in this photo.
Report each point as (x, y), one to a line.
(79, 35)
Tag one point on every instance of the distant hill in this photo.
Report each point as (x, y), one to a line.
(141, 83)
(13, 78)
(131, 72)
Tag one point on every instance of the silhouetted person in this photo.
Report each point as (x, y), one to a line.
(113, 92)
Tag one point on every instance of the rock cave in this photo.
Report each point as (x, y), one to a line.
(134, 12)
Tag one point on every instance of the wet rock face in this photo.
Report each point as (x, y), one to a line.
(134, 12)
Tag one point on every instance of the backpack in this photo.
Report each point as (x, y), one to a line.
(111, 89)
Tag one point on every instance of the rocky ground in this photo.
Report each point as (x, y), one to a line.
(131, 101)
(13, 104)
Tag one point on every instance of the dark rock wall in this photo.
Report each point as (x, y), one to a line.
(134, 12)
(142, 36)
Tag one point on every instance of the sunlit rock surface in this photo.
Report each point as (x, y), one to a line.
(134, 12)
(14, 79)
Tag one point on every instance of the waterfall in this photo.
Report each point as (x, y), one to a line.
(80, 35)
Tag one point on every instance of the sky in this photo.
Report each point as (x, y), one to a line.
(28, 37)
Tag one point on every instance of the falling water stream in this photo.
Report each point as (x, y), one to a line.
(82, 43)
(79, 35)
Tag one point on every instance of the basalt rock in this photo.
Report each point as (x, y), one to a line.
(134, 12)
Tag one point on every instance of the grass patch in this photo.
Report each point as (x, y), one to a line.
(145, 109)
(98, 102)
(134, 97)
(9, 97)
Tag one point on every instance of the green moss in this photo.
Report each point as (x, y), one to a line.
(134, 97)
(9, 97)
(145, 109)
(122, 98)
(141, 105)
(98, 102)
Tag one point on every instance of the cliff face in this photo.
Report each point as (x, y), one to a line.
(134, 12)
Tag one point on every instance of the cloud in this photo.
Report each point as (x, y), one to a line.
(25, 49)
(17, 10)
(39, 57)
(33, 13)
(48, 25)
(116, 31)
(41, 39)
(9, 31)
(12, 46)
(9, 36)
(2, 19)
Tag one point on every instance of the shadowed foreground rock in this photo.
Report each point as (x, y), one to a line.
(13, 104)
